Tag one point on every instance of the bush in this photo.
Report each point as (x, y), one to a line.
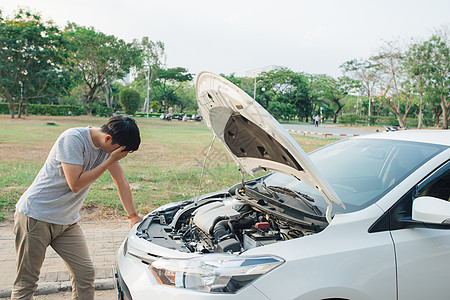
(46, 109)
(428, 121)
(384, 120)
(103, 111)
(144, 114)
(130, 100)
(373, 120)
(351, 119)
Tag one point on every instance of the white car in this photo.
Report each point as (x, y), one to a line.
(362, 218)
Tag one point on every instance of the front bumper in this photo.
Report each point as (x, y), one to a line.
(123, 293)
(135, 281)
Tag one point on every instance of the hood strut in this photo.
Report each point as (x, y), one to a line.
(203, 169)
(328, 213)
(242, 179)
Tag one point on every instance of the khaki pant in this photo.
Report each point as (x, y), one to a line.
(32, 239)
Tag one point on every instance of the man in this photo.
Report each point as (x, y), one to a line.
(316, 121)
(48, 211)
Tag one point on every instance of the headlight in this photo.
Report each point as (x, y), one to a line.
(212, 272)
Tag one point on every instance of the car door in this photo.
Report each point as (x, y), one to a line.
(423, 254)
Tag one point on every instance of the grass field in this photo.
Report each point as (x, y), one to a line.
(166, 168)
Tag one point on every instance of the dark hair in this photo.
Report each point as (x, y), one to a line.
(123, 131)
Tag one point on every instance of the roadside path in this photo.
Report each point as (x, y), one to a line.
(103, 239)
(327, 130)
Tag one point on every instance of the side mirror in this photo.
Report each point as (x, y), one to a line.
(430, 210)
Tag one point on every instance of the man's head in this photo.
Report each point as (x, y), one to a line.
(123, 131)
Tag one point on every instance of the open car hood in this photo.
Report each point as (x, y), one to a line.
(255, 140)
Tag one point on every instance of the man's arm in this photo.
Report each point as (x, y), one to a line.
(78, 180)
(123, 188)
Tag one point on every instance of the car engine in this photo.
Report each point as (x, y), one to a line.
(228, 221)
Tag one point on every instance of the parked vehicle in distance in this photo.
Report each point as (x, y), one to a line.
(363, 218)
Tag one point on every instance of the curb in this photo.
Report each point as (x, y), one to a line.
(64, 286)
(319, 133)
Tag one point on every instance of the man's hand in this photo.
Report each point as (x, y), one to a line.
(118, 154)
(135, 219)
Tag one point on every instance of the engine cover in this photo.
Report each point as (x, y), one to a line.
(205, 215)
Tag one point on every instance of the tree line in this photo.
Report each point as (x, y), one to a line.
(400, 79)
(42, 63)
(407, 78)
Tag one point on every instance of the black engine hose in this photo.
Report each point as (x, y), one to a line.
(216, 220)
(243, 223)
(220, 229)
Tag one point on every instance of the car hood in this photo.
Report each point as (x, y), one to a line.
(255, 140)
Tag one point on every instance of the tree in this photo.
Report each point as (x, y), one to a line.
(272, 85)
(395, 90)
(365, 72)
(333, 90)
(282, 110)
(101, 58)
(437, 73)
(233, 78)
(32, 54)
(167, 84)
(284, 86)
(246, 84)
(111, 91)
(154, 59)
(186, 96)
(434, 100)
(428, 67)
(300, 95)
(130, 101)
(415, 68)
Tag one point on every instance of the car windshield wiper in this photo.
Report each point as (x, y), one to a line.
(303, 197)
(270, 191)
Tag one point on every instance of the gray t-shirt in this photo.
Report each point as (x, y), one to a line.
(49, 197)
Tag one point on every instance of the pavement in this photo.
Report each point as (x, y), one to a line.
(327, 130)
(103, 238)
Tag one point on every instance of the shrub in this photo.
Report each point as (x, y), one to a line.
(351, 119)
(129, 100)
(46, 109)
(373, 120)
(100, 110)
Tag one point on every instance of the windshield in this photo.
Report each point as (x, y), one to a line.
(361, 171)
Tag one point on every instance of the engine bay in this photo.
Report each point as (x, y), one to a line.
(230, 221)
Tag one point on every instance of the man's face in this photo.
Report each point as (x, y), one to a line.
(108, 146)
(114, 147)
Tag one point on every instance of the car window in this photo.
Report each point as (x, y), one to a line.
(361, 171)
(437, 185)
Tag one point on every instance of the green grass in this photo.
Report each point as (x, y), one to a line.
(166, 168)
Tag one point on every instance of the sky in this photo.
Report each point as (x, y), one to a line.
(236, 36)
